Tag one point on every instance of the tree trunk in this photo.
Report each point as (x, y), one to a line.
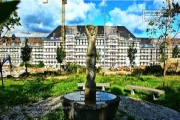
(164, 73)
(60, 69)
(26, 68)
(2, 79)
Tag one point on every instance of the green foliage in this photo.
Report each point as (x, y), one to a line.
(6, 8)
(162, 51)
(98, 69)
(13, 37)
(26, 53)
(41, 64)
(175, 52)
(155, 70)
(176, 8)
(161, 26)
(34, 89)
(28, 64)
(81, 69)
(131, 52)
(21, 64)
(60, 54)
(57, 114)
(72, 67)
(116, 90)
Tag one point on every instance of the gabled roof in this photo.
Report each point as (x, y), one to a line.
(81, 29)
(34, 40)
(145, 41)
(122, 30)
(56, 32)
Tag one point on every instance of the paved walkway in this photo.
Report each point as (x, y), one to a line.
(138, 109)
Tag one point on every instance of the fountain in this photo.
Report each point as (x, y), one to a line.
(90, 104)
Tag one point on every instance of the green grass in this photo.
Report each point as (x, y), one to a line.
(33, 89)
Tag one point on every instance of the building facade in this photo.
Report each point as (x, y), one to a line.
(112, 48)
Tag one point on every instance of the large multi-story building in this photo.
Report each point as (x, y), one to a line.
(116, 41)
(112, 47)
(149, 55)
(12, 48)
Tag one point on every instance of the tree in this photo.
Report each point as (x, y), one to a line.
(6, 8)
(41, 64)
(161, 26)
(26, 53)
(131, 52)
(9, 21)
(175, 52)
(162, 52)
(60, 55)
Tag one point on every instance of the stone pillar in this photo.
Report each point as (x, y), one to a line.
(90, 86)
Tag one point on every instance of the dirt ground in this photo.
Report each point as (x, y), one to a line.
(16, 71)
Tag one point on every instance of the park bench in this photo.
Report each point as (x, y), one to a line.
(155, 92)
(103, 85)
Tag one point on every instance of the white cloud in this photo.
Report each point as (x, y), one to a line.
(158, 4)
(131, 18)
(109, 24)
(131, 21)
(101, 4)
(80, 12)
(39, 17)
(136, 8)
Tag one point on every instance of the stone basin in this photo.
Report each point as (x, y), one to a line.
(104, 108)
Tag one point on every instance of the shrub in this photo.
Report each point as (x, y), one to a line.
(98, 69)
(41, 64)
(81, 69)
(53, 73)
(28, 64)
(71, 67)
(138, 70)
(155, 69)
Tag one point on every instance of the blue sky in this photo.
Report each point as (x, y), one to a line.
(39, 19)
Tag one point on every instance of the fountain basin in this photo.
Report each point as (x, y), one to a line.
(104, 108)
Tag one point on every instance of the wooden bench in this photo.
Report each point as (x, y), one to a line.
(103, 85)
(155, 92)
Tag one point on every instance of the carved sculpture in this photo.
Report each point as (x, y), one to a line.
(106, 106)
(90, 87)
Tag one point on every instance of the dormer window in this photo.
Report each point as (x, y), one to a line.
(54, 34)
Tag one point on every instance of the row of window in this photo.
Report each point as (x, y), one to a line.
(50, 49)
(51, 43)
(50, 56)
(12, 55)
(50, 62)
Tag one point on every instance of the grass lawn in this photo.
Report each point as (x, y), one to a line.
(36, 88)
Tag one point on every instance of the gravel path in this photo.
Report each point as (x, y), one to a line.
(140, 110)
(143, 110)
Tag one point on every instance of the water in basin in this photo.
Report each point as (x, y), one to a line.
(79, 97)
